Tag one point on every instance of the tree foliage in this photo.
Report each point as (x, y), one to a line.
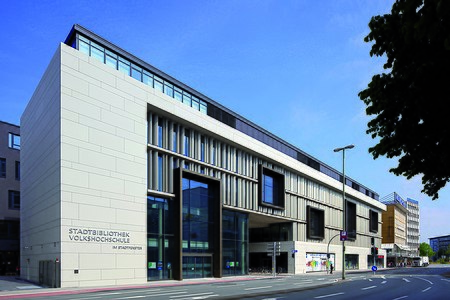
(410, 100)
(425, 250)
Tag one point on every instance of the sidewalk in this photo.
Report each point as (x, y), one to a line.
(15, 288)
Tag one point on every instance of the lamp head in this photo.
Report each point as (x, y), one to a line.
(343, 148)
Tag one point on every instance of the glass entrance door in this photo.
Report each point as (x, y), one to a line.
(197, 266)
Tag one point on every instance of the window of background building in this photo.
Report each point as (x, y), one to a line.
(13, 200)
(373, 221)
(17, 167)
(315, 223)
(2, 167)
(14, 141)
(350, 213)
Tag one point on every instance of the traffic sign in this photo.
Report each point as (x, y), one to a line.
(343, 235)
(374, 268)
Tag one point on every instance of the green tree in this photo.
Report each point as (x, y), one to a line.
(425, 250)
(409, 101)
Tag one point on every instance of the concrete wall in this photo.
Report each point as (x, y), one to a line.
(41, 174)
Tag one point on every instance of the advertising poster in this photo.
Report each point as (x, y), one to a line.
(318, 262)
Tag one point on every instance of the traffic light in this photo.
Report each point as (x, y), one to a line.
(372, 241)
(376, 250)
(372, 250)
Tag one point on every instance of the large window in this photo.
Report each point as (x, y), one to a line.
(315, 223)
(13, 200)
(198, 217)
(373, 221)
(14, 141)
(2, 167)
(350, 217)
(271, 188)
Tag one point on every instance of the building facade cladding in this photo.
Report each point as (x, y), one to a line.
(115, 148)
(413, 226)
(9, 197)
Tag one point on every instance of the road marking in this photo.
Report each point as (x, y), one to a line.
(383, 282)
(329, 295)
(166, 294)
(404, 279)
(132, 297)
(28, 287)
(424, 280)
(369, 287)
(303, 282)
(258, 288)
(107, 294)
(370, 279)
(402, 297)
(193, 296)
(445, 279)
(426, 289)
(228, 286)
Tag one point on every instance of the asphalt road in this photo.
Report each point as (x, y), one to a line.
(412, 283)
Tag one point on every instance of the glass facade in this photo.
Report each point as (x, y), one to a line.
(160, 238)
(234, 243)
(197, 236)
(111, 59)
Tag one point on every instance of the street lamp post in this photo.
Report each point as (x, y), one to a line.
(343, 202)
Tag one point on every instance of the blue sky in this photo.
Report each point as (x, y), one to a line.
(293, 67)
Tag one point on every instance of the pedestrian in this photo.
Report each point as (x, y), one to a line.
(331, 268)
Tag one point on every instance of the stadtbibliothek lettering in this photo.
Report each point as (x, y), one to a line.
(99, 236)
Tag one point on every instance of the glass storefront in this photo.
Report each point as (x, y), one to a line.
(197, 266)
(351, 261)
(199, 245)
(379, 261)
(234, 243)
(160, 250)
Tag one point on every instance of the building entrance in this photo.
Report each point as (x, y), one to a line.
(197, 266)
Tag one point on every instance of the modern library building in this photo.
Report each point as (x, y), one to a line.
(129, 176)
